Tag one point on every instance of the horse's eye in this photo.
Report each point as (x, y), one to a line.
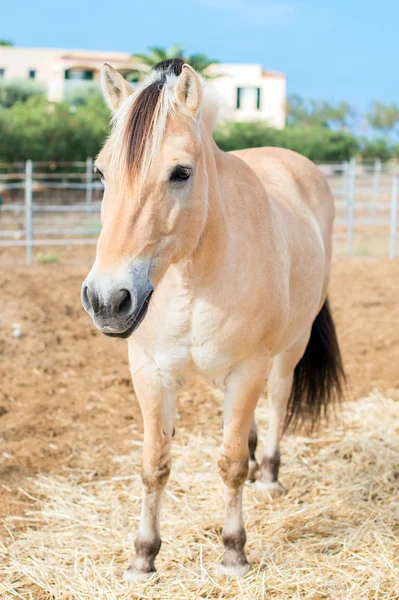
(180, 174)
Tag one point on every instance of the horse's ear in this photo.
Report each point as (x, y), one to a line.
(115, 88)
(188, 90)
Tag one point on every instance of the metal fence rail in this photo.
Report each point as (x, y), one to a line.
(366, 198)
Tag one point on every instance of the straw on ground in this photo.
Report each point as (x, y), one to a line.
(332, 535)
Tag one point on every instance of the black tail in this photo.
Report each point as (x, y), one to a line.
(319, 377)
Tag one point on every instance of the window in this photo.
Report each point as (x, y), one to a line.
(79, 74)
(32, 74)
(2, 73)
(248, 98)
(238, 103)
(133, 80)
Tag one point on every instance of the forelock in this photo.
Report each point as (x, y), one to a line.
(139, 125)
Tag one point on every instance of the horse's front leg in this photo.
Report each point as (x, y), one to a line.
(157, 407)
(244, 387)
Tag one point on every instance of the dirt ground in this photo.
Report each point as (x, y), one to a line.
(66, 400)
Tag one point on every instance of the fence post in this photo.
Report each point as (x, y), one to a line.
(376, 186)
(345, 166)
(351, 205)
(394, 217)
(89, 184)
(28, 211)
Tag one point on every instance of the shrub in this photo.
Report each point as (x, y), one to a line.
(44, 131)
(34, 128)
(317, 143)
(12, 91)
(80, 93)
(373, 149)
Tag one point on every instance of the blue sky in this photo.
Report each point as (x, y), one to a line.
(329, 49)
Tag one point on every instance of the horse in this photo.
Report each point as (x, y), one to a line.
(212, 263)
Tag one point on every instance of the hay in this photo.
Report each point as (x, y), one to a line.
(333, 535)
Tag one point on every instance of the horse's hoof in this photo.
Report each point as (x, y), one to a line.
(253, 469)
(272, 488)
(133, 575)
(223, 571)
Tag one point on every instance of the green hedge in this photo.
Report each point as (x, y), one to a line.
(377, 148)
(16, 90)
(40, 130)
(317, 143)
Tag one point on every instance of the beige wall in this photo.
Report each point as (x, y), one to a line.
(50, 66)
(18, 61)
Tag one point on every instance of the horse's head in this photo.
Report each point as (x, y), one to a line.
(155, 192)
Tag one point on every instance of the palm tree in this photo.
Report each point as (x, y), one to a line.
(145, 62)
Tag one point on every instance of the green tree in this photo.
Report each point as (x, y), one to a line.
(318, 113)
(15, 90)
(383, 117)
(376, 148)
(339, 116)
(317, 143)
(41, 130)
(298, 112)
(6, 43)
(81, 93)
(146, 61)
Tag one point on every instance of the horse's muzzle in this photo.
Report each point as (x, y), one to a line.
(136, 318)
(117, 310)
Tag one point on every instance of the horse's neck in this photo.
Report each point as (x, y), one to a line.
(238, 207)
(210, 251)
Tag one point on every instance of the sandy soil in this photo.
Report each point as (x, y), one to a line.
(66, 400)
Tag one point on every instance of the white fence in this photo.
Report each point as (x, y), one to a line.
(58, 204)
(35, 181)
(366, 201)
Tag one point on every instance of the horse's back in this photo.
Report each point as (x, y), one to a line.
(291, 178)
(302, 208)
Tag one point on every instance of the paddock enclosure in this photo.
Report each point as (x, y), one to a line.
(70, 447)
(56, 204)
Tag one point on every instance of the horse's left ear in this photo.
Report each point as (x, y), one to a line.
(115, 88)
(188, 90)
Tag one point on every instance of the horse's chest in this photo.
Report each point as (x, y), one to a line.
(209, 349)
(188, 338)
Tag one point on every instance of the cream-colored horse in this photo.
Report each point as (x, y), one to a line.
(212, 263)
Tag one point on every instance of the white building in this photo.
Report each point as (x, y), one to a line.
(250, 93)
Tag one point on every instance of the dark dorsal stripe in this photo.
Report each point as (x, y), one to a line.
(140, 120)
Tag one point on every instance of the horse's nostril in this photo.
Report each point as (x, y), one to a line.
(90, 299)
(85, 298)
(122, 303)
(93, 300)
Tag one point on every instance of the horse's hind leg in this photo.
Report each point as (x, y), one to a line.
(253, 466)
(279, 390)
